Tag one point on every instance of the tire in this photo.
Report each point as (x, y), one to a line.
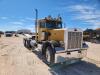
(24, 42)
(28, 44)
(49, 55)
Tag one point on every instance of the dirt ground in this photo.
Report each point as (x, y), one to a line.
(93, 51)
(15, 59)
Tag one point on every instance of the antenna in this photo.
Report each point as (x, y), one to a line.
(64, 25)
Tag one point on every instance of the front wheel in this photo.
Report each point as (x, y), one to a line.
(49, 55)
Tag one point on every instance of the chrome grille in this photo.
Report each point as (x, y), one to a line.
(74, 40)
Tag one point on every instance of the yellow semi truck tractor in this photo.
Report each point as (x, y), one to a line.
(57, 44)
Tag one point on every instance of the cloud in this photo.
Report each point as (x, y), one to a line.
(81, 8)
(16, 23)
(27, 19)
(31, 19)
(9, 27)
(3, 18)
(87, 14)
(31, 27)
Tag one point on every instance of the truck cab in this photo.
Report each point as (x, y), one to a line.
(57, 44)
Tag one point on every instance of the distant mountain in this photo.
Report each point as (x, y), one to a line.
(98, 29)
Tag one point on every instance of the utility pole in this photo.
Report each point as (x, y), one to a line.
(36, 14)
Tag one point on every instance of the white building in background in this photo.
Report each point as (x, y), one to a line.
(24, 31)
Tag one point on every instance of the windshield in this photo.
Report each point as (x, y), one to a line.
(53, 25)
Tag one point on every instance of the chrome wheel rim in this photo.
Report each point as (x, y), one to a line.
(47, 55)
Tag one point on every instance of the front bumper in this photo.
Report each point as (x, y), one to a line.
(75, 55)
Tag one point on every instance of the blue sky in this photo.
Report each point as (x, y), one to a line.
(20, 14)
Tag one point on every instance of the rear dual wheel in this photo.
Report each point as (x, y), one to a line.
(27, 43)
(24, 42)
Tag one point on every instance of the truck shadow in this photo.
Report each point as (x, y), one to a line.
(79, 68)
(39, 55)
